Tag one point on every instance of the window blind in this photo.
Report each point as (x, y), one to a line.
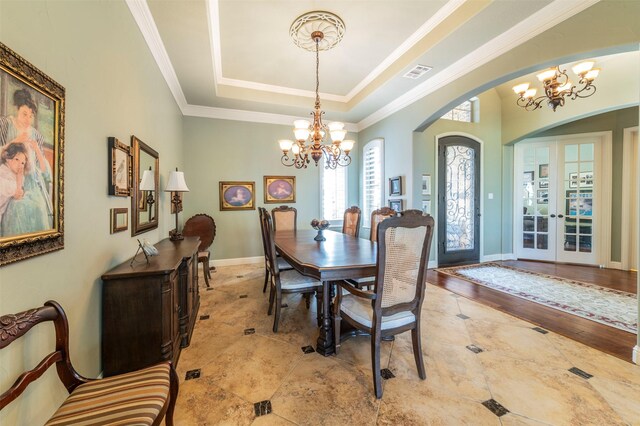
(372, 180)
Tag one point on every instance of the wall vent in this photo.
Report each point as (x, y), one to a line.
(417, 71)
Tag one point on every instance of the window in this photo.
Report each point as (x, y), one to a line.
(465, 112)
(372, 177)
(333, 194)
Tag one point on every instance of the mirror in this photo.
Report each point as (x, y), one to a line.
(144, 202)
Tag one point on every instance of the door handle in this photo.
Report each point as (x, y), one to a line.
(560, 216)
(552, 215)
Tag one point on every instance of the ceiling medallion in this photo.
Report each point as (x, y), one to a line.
(331, 26)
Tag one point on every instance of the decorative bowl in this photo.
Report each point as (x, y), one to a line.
(319, 225)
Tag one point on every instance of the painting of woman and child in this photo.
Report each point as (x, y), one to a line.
(29, 144)
(237, 196)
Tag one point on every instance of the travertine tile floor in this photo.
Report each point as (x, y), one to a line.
(525, 371)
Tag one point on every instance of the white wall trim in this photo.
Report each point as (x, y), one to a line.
(615, 265)
(432, 264)
(142, 15)
(481, 183)
(636, 354)
(542, 20)
(509, 256)
(628, 165)
(237, 261)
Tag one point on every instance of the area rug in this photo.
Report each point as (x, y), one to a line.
(604, 305)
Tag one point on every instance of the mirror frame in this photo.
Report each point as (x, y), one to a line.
(136, 226)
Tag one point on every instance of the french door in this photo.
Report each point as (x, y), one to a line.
(558, 200)
(458, 200)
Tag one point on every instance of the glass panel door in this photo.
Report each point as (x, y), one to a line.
(459, 200)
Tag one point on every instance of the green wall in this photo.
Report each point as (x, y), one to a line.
(227, 150)
(616, 122)
(113, 88)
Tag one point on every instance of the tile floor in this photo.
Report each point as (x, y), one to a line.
(518, 376)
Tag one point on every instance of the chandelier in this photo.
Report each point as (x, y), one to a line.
(315, 31)
(558, 87)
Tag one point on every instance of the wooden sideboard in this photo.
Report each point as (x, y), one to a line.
(149, 309)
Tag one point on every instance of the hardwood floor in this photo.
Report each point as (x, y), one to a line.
(599, 336)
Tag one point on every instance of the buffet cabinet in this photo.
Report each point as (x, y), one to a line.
(149, 309)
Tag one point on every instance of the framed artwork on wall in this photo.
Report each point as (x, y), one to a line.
(395, 185)
(396, 205)
(120, 168)
(426, 184)
(279, 189)
(543, 171)
(119, 220)
(237, 195)
(426, 206)
(32, 111)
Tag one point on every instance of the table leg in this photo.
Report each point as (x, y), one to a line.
(325, 339)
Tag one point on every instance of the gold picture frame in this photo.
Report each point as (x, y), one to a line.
(121, 169)
(119, 219)
(236, 195)
(279, 189)
(24, 87)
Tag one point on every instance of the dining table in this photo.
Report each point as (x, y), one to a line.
(338, 257)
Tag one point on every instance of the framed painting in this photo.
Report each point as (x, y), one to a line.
(279, 189)
(543, 171)
(426, 206)
(396, 205)
(173, 205)
(395, 185)
(426, 184)
(120, 168)
(32, 108)
(543, 196)
(237, 196)
(119, 220)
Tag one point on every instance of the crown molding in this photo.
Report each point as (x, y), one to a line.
(244, 84)
(142, 15)
(547, 17)
(250, 116)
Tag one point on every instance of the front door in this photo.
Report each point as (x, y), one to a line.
(458, 200)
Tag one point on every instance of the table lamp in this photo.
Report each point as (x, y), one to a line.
(148, 183)
(176, 184)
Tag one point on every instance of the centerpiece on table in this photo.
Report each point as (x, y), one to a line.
(319, 225)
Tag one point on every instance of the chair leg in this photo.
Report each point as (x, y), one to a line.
(205, 272)
(375, 362)
(276, 318)
(266, 279)
(417, 351)
(272, 295)
(337, 319)
(307, 300)
(174, 383)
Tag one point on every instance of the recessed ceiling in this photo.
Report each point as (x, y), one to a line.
(227, 58)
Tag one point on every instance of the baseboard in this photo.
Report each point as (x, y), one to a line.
(237, 261)
(496, 257)
(636, 355)
(432, 264)
(509, 256)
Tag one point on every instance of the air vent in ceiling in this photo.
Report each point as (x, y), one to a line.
(417, 71)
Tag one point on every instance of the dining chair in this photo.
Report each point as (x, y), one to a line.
(377, 216)
(286, 282)
(283, 265)
(203, 226)
(351, 221)
(284, 218)
(394, 305)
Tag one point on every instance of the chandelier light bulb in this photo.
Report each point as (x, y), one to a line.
(566, 87)
(285, 145)
(592, 74)
(301, 134)
(338, 135)
(547, 75)
(583, 67)
(295, 149)
(529, 93)
(521, 88)
(347, 145)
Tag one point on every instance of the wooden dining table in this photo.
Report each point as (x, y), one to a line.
(339, 257)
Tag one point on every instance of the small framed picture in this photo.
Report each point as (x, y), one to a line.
(396, 205)
(528, 176)
(573, 180)
(121, 175)
(173, 205)
(543, 196)
(426, 184)
(543, 183)
(119, 220)
(279, 189)
(586, 179)
(237, 196)
(426, 206)
(543, 171)
(395, 185)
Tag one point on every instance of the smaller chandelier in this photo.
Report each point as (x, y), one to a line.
(558, 87)
(317, 31)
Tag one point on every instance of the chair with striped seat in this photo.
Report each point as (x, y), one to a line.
(395, 304)
(286, 282)
(140, 397)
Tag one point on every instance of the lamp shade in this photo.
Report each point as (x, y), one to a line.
(148, 182)
(176, 182)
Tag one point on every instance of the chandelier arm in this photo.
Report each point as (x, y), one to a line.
(586, 91)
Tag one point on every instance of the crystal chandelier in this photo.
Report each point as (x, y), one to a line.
(558, 87)
(315, 31)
